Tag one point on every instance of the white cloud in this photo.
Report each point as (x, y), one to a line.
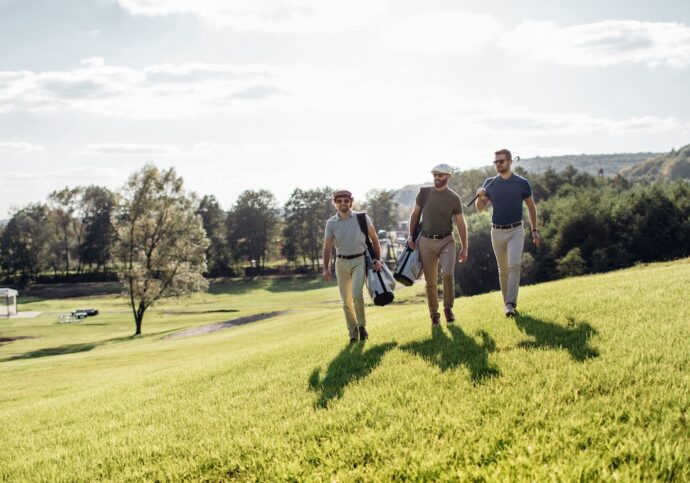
(284, 16)
(129, 149)
(611, 42)
(491, 115)
(20, 147)
(156, 92)
(441, 33)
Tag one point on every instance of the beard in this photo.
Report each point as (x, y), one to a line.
(440, 182)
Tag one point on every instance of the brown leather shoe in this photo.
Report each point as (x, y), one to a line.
(450, 316)
(436, 319)
(363, 334)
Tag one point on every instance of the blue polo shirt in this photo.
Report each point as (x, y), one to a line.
(506, 196)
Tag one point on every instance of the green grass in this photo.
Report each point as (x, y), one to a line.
(592, 381)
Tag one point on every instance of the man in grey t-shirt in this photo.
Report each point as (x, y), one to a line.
(506, 192)
(343, 231)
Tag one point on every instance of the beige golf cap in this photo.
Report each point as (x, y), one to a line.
(442, 168)
(342, 194)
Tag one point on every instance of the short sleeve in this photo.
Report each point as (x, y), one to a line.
(369, 222)
(487, 186)
(329, 230)
(526, 190)
(457, 205)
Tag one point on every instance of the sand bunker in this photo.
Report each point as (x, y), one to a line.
(205, 329)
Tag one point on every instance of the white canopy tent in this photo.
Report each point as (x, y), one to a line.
(8, 302)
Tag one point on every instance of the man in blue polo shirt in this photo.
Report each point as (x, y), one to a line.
(506, 192)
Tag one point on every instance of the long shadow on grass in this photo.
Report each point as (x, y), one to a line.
(351, 364)
(75, 348)
(460, 349)
(574, 338)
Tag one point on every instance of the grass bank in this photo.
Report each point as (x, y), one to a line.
(591, 381)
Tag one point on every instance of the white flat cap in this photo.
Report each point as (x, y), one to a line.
(442, 169)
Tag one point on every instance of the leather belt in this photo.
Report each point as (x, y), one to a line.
(508, 226)
(350, 257)
(436, 237)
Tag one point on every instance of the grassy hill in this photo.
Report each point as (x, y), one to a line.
(591, 381)
(669, 166)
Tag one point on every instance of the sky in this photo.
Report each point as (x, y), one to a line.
(357, 94)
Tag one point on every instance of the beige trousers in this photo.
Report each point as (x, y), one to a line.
(350, 274)
(432, 252)
(508, 246)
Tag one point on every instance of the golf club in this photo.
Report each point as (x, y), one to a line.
(516, 159)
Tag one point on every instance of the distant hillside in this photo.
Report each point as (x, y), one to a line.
(669, 166)
(590, 163)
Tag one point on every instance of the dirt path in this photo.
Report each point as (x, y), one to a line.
(205, 329)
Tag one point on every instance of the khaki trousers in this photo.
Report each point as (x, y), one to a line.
(432, 252)
(508, 245)
(350, 274)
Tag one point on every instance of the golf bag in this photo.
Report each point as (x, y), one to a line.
(408, 268)
(379, 284)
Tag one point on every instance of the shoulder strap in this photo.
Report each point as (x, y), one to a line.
(362, 220)
(423, 197)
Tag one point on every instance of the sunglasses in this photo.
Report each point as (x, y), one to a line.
(500, 161)
(342, 200)
(440, 175)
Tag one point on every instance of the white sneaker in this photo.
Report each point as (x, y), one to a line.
(510, 310)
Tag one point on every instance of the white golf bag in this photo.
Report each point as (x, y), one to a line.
(408, 267)
(380, 284)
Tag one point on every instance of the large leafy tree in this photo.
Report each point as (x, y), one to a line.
(305, 214)
(65, 204)
(161, 241)
(213, 218)
(252, 224)
(98, 206)
(382, 208)
(27, 241)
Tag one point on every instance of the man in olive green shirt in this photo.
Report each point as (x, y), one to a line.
(437, 243)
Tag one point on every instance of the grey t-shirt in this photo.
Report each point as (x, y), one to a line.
(348, 236)
(506, 196)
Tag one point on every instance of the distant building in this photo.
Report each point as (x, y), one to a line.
(8, 302)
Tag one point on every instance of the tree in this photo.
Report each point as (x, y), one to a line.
(382, 208)
(65, 203)
(98, 206)
(251, 226)
(306, 212)
(213, 219)
(27, 241)
(161, 241)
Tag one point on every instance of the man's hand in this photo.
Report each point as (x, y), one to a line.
(481, 192)
(327, 275)
(462, 256)
(411, 244)
(377, 265)
(536, 239)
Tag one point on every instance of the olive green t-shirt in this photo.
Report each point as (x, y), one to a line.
(438, 213)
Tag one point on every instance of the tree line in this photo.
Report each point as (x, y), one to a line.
(73, 235)
(588, 225)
